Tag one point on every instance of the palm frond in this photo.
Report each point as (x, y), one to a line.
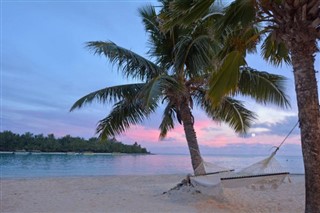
(274, 52)
(195, 53)
(109, 94)
(185, 12)
(167, 121)
(199, 96)
(224, 81)
(263, 87)
(124, 114)
(239, 12)
(235, 115)
(160, 43)
(155, 88)
(232, 112)
(130, 63)
(150, 19)
(252, 36)
(157, 39)
(242, 39)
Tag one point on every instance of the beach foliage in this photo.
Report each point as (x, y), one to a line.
(40, 143)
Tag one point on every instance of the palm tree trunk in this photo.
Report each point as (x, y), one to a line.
(309, 117)
(196, 159)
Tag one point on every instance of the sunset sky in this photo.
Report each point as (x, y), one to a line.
(45, 68)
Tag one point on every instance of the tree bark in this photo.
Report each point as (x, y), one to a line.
(196, 159)
(309, 117)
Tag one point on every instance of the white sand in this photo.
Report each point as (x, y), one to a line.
(141, 194)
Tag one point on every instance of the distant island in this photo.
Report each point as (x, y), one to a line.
(29, 142)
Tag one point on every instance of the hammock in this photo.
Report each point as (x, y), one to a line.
(265, 174)
(210, 183)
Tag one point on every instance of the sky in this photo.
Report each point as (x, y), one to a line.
(45, 68)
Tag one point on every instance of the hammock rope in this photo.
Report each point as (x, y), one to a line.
(278, 147)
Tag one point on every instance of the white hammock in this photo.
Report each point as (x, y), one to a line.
(265, 174)
(210, 183)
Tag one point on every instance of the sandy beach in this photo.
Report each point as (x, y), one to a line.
(141, 194)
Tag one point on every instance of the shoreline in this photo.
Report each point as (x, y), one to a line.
(141, 193)
(107, 176)
(21, 152)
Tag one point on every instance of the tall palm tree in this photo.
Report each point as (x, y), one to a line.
(178, 78)
(288, 28)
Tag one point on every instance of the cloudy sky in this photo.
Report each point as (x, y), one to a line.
(45, 68)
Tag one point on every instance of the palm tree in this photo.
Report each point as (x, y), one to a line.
(288, 28)
(177, 78)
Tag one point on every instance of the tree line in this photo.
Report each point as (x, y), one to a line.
(30, 142)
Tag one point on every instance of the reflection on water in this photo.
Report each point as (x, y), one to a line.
(47, 165)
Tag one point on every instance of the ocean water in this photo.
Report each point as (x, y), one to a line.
(60, 165)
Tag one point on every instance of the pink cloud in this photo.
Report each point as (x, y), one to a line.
(209, 133)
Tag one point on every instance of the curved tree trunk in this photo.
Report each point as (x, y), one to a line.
(191, 137)
(309, 117)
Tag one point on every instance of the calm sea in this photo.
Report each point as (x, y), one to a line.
(57, 165)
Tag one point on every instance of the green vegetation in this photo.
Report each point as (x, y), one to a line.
(29, 142)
